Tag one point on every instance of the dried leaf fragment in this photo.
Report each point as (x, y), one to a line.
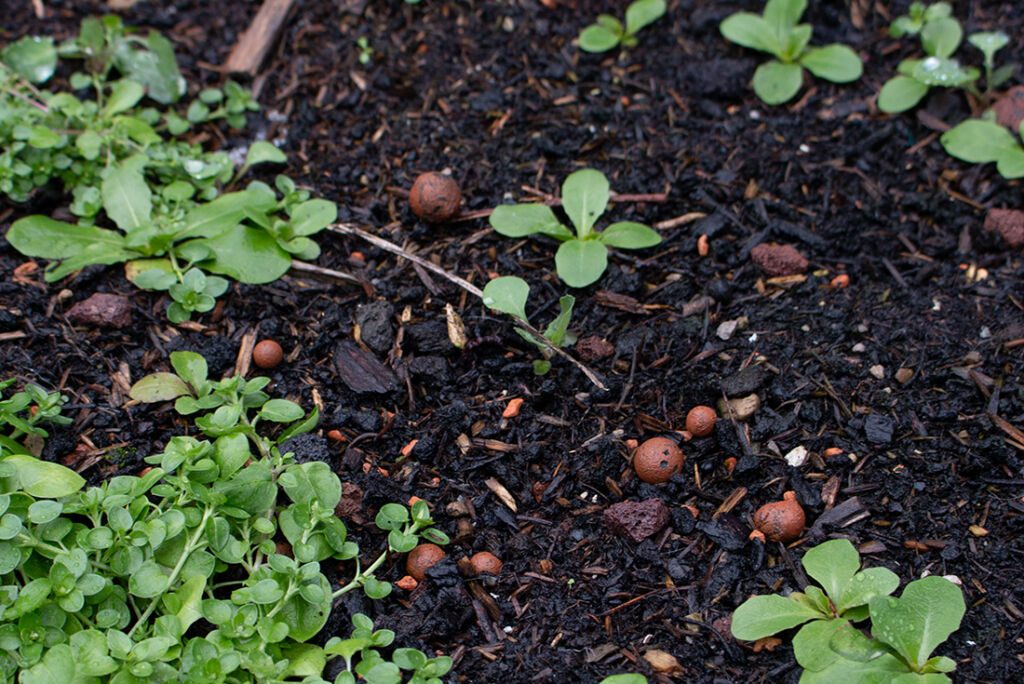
(502, 493)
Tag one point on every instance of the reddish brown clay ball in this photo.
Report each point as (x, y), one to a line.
(657, 460)
(423, 557)
(700, 421)
(781, 521)
(267, 354)
(435, 197)
(485, 561)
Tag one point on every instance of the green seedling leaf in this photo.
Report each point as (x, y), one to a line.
(581, 263)
(1011, 163)
(557, 329)
(989, 42)
(850, 643)
(124, 95)
(520, 220)
(643, 12)
(126, 195)
(43, 479)
(584, 198)
(41, 236)
(597, 38)
(752, 31)
(263, 152)
(248, 255)
(941, 36)
(158, 387)
(776, 82)
(312, 216)
(946, 73)
(507, 294)
(833, 564)
(219, 216)
(914, 624)
(885, 668)
(281, 411)
(313, 481)
(32, 58)
(782, 15)
(191, 367)
(625, 678)
(900, 94)
(1001, 75)
(58, 665)
(629, 235)
(811, 644)
(761, 616)
(978, 141)
(836, 63)
(864, 586)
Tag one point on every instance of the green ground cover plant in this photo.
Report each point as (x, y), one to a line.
(777, 32)
(904, 631)
(983, 141)
(582, 257)
(103, 584)
(608, 31)
(508, 294)
(24, 412)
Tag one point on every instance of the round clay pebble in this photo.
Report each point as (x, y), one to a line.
(781, 521)
(700, 421)
(485, 561)
(657, 460)
(423, 557)
(267, 354)
(435, 197)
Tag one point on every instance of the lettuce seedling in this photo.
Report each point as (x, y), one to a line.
(917, 17)
(982, 141)
(608, 31)
(508, 294)
(583, 257)
(776, 32)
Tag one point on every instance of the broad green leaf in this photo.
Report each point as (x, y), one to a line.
(584, 199)
(191, 367)
(629, 235)
(929, 610)
(507, 294)
(940, 37)
(124, 95)
(43, 479)
(248, 255)
(940, 664)
(42, 138)
(978, 141)
(901, 93)
(1011, 163)
(776, 83)
(91, 653)
(938, 10)
(217, 217)
(947, 73)
(160, 74)
(148, 581)
(57, 665)
(882, 670)
(306, 619)
(312, 216)
(643, 12)
(915, 678)
(281, 411)
(752, 31)
(1001, 75)
(126, 195)
(581, 263)
(832, 564)
(158, 387)
(836, 63)
(232, 453)
(761, 616)
(865, 585)
(811, 644)
(520, 220)
(305, 660)
(263, 152)
(314, 481)
(795, 42)
(32, 58)
(152, 278)
(850, 643)
(189, 597)
(41, 236)
(782, 15)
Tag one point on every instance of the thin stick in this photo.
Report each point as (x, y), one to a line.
(329, 273)
(349, 229)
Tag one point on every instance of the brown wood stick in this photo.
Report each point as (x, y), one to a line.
(252, 48)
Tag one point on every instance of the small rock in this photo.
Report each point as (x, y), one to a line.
(797, 457)
(636, 521)
(778, 260)
(102, 310)
(375, 325)
(878, 429)
(904, 375)
(593, 348)
(1007, 222)
(878, 371)
(1009, 108)
(742, 408)
(728, 328)
(746, 381)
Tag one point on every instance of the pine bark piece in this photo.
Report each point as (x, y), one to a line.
(251, 49)
(361, 371)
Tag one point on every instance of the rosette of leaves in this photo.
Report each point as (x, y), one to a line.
(608, 31)
(582, 257)
(508, 294)
(983, 141)
(777, 32)
(918, 15)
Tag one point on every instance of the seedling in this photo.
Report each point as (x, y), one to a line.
(982, 141)
(508, 294)
(991, 42)
(776, 32)
(583, 257)
(904, 631)
(24, 412)
(918, 17)
(608, 31)
(625, 678)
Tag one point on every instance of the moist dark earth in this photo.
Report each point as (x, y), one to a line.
(903, 386)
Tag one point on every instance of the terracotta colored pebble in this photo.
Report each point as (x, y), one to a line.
(840, 281)
(778, 260)
(423, 557)
(700, 421)
(485, 561)
(657, 460)
(435, 197)
(267, 354)
(512, 409)
(781, 521)
(336, 435)
(407, 449)
(408, 583)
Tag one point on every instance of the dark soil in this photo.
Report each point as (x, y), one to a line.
(498, 93)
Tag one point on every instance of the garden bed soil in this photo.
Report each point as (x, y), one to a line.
(912, 372)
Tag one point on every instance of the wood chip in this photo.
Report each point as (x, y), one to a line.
(502, 493)
(251, 49)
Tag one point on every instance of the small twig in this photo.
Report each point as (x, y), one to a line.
(37, 5)
(329, 273)
(349, 229)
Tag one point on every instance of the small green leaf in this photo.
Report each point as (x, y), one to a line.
(1011, 163)
(507, 294)
(624, 678)
(520, 220)
(263, 152)
(557, 329)
(901, 93)
(836, 63)
(126, 195)
(989, 42)
(124, 95)
(58, 665)
(43, 479)
(248, 255)
(752, 31)
(810, 644)
(191, 367)
(865, 585)
(782, 15)
(581, 263)
(281, 411)
(886, 668)
(776, 83)
(584, 198)
(158, 387)
(850, 643)
(312, 216)
(978, 141)
(597, 38)
(148, 581)
(629, 235)
(41, 236)
(761, 616)
(642, 13)
(833, 564)
(940, 37)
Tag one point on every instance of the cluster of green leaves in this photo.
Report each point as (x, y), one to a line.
(582, 257)
(983, 141)
(608, 31)
(508, 294)
(177, 574)
(23, 413)
(904, 631)
(941, 35)
(777, 32)
(124, 163)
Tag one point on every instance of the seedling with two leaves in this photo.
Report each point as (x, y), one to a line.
(582, 257)
(608, 31)
(508, 294)
(777, 32)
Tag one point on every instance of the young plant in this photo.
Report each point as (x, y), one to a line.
(904, 631)
(508, 294)
(372, 667)
(991, 42)
(23, 412)
(777, 32)
(624, 678)
(917, 17)
(583, 257)
(982, 141)
(608, 31)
